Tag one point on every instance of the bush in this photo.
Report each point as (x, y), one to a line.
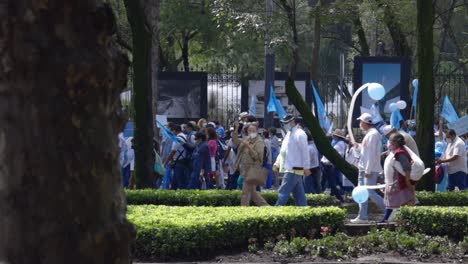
(165, 232)
(442, 221)
(443, 198)
(211, 198)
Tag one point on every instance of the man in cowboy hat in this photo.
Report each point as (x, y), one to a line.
(369, 164)
(294, 161)
(331, 174)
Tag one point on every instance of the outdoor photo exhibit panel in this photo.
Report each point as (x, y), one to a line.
(257, 89)
(182, 96)
(392, 72)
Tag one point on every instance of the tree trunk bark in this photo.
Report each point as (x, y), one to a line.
(60, 186)
(425, 107)
(185, 53)
(365, 51)
(400, 44)
(152, 18)
(142, 98)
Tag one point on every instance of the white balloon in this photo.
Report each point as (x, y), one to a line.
(376, 91)
(393, 107)
(401, 104)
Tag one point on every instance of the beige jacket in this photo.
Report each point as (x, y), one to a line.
(245, 157)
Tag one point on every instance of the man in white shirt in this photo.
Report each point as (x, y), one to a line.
(369, 165)
(294, 161)
(312, 183)
(455, 157)
(177, 157)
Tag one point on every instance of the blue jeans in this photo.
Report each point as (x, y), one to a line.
(167, 178)
(126, 176)
(312, 183)
(292, 183)
(372, 180)
(269, 181)
(457, 179)
(330, 174)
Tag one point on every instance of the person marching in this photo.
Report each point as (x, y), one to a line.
(369, 165)
(294, 161)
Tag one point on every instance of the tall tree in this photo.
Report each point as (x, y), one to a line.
(60, 79)
(400, 43)
(142, 93)
(425, 106)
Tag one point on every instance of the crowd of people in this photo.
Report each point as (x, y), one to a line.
(203, 155)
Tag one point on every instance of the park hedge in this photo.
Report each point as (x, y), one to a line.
(211, 198)
(443, 198)
(434, 220)
(165, 232)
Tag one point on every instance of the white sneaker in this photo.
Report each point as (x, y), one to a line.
(358, 220)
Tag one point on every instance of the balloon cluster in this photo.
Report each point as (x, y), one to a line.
(398, 105)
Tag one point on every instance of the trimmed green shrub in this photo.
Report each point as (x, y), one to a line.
(211, 198)
(164, 232)
(442, 221)
(443, 198)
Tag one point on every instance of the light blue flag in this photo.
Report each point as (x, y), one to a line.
(415, 94)
(395, 119)
(167, 133)
(322, 113)
(448, 111)
(253, 107)
(274, 105)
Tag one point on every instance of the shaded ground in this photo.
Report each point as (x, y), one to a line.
(269, 257)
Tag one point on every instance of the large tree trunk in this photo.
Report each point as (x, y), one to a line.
(60, 184)
(365, 51)
(152, 18)
(425, 107)
(400, 44)
(142, 97)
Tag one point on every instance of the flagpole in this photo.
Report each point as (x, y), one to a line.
(269, 69)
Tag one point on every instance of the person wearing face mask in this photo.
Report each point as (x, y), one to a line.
(455, 158)
(294, 161)
(369, 165)
(399, 189)
(201, 163)
(388, 131)
(249, 153)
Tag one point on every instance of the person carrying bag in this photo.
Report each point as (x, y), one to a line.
(250, 164)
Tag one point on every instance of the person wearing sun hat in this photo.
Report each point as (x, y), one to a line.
(369, 165)
(294, 161)
(330, 173)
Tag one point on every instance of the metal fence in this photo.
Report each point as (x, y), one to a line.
(224, 97)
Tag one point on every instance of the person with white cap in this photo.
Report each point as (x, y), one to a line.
(369, 165)
(294, 161)
(388, 131)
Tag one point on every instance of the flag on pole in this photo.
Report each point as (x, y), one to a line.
(253, 106)
(448, 111)
(322, 113)
(395, 119)
(415, 94)
(167, 133)
(274, 105)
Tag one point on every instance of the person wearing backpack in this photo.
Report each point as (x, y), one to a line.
(178, 160)
(399, 188)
